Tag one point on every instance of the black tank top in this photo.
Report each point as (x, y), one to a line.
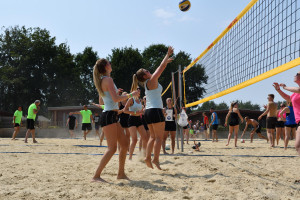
(234, 118)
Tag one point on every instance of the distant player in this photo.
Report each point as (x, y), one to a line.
(87, 117)
(32, 111)
(271, 112)
(17, 121)
(256, 129)
(72, 121)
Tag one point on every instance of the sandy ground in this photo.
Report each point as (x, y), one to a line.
(56, 169)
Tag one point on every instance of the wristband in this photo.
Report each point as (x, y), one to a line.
(102, 106)
(128, 96)
(131, 95)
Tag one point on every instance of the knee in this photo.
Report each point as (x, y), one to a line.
(134, 140)
(112, 149)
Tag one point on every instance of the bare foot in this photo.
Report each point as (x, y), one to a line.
(98, 180)
(148, 163)
(84, 136)
(172, 152)
(34, 141)
(25, 141)
(156, 163)
(166, 153)
(123, 177)
(227, 144)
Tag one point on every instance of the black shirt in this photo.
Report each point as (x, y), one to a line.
(97, 120)
(72, 119)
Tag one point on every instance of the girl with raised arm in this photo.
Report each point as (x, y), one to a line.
(295, 99)
(108, 94)
(154, 107)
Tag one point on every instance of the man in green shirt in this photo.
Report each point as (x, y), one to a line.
(87, 116)
(32, 111)
(17, 121)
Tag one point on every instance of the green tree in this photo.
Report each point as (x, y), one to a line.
(125, 62)
(85, 62)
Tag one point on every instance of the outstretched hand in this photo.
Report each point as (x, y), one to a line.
(170, 50)
(276, 86)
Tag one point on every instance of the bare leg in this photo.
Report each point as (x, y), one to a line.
(229, 134)
(27, 135)
(111, 134)
(33, 135)
(173, 136)
(163, 143)
(261, 136)
(101, 137)
(16, 131)
(251, 136)
(123, 142)
(236, 131)
(271, 136)
(159, 133)
(297, 142)
(133, 134)
(287, 137)
(150, 147)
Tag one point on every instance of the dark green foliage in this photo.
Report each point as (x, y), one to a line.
(33, 66)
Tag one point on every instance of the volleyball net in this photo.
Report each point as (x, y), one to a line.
(262, 41)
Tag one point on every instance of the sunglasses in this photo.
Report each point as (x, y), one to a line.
(297, 74)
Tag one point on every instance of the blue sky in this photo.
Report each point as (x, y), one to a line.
(105, 25)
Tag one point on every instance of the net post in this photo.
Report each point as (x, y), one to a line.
(175, 102)
(180, 103)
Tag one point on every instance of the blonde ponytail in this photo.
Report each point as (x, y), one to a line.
(98, 71)
(134, 84)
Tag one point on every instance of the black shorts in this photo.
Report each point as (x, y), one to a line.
(170, 126)
(135, 121)
(154, 115)
(17, 125)
(30, 124)
(108, 117)
(185, 127)
(271, 122)
(124, 120)
(214, 126)
(258, 130)
(97, 126)
(280, 124)
(86, 126)
(145, 123)
(291, 125)
(234, 122)
(71, 126)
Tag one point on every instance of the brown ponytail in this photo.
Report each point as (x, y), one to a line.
(98, 71)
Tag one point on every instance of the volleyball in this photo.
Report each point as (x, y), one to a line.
(184, 5)
(167, 147)
(242, 141)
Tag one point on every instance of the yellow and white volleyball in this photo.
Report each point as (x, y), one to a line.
(242, 141)
(167, 147)
(184, 5)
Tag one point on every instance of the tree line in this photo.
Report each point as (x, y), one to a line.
(33, 66)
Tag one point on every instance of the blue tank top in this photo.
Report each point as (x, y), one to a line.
(153, 99)
(290, 117)
(135, 106)
(216, 119)
(109, 104)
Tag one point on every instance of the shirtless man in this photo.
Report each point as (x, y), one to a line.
(256, 128)
(271, 112)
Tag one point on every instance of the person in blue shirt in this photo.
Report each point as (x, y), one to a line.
(214, 123)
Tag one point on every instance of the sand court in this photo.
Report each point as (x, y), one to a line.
(63, 168)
